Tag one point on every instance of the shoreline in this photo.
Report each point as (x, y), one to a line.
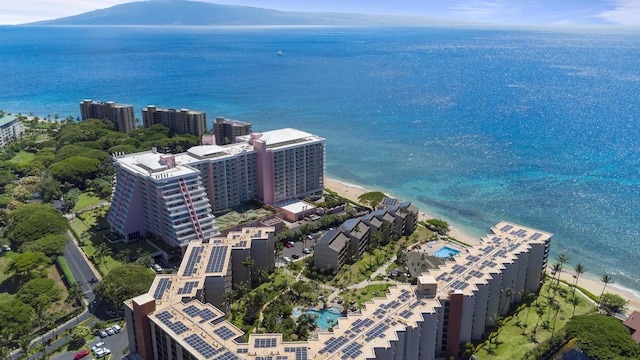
(587, 280)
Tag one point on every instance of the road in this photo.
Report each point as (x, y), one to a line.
(80, 268)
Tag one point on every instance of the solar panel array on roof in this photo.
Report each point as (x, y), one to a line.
(406, 314)
(377, 331)
(202, 347)
(217, 259)
(163, 286)
(535, 236)
(204, 314)
(227, 356)
(194, 258)
(459, 285)
(282, 357)
(265, 343)
(519, 233)
(506, 228)
(188, 287)
(352, 351)
(332, 344)
(361, 323)
(264, 358)
(240, 244)
(300, 352)
(243, 350)
(224, 332)
(177, 327)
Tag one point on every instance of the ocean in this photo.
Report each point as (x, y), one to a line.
(475, 125)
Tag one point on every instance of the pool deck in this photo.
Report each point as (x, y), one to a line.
(433, 246)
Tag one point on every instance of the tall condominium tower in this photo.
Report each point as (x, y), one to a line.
(172, 196)
(226, 130)
(183, 121)
(120, 115)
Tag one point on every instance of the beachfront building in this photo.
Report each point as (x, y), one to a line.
(172, 196)
(120, 115)
(448, 307)
(11, 129)
(290, 164)
(350, 241)
(226, 131)
(158, 195)
(181, 121)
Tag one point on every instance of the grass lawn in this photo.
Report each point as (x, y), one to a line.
(23, 158)
(365, 294)
(86, 199)
(514, 341)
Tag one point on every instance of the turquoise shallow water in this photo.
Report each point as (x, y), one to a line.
(538, 127)
(324, 318)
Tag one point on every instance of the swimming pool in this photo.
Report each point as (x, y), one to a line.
(445, 252)
(324, 316)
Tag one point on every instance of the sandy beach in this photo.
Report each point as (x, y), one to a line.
(588, 281)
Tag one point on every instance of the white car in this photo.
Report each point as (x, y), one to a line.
(157, 267)
(102, 352)
(116, 328)
(98, 345)
(110, 331)
(286, 259)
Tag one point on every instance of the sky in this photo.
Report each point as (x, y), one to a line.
(512, 12)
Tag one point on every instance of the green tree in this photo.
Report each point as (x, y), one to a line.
(562, 259)
(51, 245)
(33, 221)
(75, 294)
(39, 293)
(75, 170)
(122, 283)
(48, 187)
(24, 342)
(16, 316)
(371, 199)
(439, 226)
(27, 262)
(602, 337)
(579, 269)
(79, 334)
(613, 303)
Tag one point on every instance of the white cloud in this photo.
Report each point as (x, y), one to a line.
(624, 12)
(481, 10)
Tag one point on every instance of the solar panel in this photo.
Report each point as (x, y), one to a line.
(535, 236)
(352, 351)
(333, 344)
(217, 259)
(377, 331)
(240, 244)
(201, 346)
(188, 287)
(163, 286)
(224, 332)
(265, 343)
(227, 356)
(264, 358)
(300, 352)
(406, 313)
(194, 258)
(243, 351)
(177, 327)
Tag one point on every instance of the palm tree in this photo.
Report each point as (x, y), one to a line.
(42, 318)
(497, 321)
(24, 342)
(103, 251)
(606, 279)
(562, 258)
(507, 293)
(555, 269)
(539, 311)
(579, 269)
(75, 293)
(249, 263)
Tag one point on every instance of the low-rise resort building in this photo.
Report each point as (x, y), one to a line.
(183, 315)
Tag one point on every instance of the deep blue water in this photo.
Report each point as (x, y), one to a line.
(538, 127)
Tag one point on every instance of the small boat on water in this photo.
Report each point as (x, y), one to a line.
(279, 52)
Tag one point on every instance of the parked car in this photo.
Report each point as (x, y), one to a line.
(6, 248)
(97, 346)
(295, 256)
(306, 251)
(80, 354)
(103, 334)
(102, 352)
(110, 331)
(287, 245)
(116, 328)
(156, 267)
(286, 259)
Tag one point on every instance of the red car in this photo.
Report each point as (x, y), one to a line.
(287, 245)
(82, 353)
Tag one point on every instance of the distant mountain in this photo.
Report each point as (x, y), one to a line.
(195, 13)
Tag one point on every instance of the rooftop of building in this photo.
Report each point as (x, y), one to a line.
(201, 328)
(7, 119)
(282, 137)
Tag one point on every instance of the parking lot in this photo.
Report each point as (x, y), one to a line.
(116, 344)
